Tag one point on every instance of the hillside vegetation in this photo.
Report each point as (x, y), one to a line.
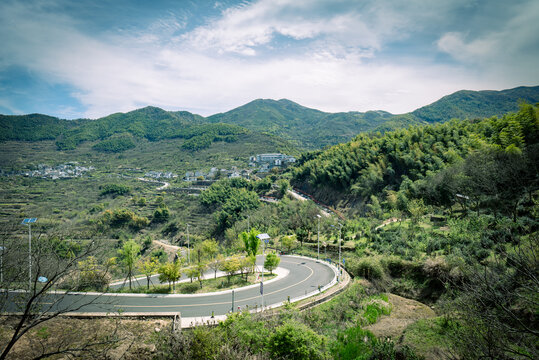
(405, 161)
(305, 127)
(309, 127)
(315, 129)
(467, 104)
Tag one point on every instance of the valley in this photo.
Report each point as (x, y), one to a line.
(435, 223)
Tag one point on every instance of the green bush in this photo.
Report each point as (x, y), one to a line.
(398, 267)
(124, 217)
(367, 267)
(374, 309)
(115, 189)
(161, 214)
(189, 288)
(353, 343)
(294, 340)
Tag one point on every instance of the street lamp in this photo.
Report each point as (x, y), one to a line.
(188, 248)
(265, 238)
(29, 222)
(2, 248)
(318, 236)
(340, 227)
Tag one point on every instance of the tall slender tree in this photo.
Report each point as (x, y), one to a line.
(128, 255)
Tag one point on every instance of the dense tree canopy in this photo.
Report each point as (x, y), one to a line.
(403, 160)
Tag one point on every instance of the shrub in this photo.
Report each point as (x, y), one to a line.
(436, 268)
(353, 343)
(367, 267)
(115, 189)
(294, 340)
(124, 217)
(398, 267)
(189, 288)
(159, 254)
(374, 308)
(161, 214)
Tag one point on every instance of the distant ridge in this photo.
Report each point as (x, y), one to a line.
(304, 127)
(477, 104)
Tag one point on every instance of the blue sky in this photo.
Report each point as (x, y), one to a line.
(75, 59)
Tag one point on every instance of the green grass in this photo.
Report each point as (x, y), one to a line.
(429, 337)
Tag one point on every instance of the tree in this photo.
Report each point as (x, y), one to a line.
(129, 255)
(288, 242)
(495, 318)
(210, 248)
(250, 242)
(192, 272)
(38, 304)
(92, 275)
(200, 253)
(271, 262)
(417, 209)
(302, 218)
(170, 272)
(148, 267)
(282, 187)
(215, 264)
(230, 266)
(247, 265)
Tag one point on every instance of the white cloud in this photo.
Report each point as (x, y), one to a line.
(508, 51)
(473, 51)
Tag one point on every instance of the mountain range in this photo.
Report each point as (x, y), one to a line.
(302, 126)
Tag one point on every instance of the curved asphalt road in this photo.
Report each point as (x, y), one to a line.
(305, 276)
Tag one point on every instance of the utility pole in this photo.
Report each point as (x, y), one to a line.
(318, 237)
(262, 283)
(188, 247)
(339, 264)
(29, 222)
(2, 248)
(265, 238)
(29, 257)
(340, 271)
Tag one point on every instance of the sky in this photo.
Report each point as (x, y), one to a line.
(87, 59)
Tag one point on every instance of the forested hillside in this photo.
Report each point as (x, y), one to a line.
(307, 127)
(34, 127)
(153, 124)
(479, 158)
(476, 104)
(313, 129)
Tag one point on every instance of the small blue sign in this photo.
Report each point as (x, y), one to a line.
(343, 261)
(29, 221)
(42, 279)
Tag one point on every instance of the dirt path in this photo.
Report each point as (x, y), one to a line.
(404, 312)
(171, 250)
(387, 222)
(162, 187)
(300, 197)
